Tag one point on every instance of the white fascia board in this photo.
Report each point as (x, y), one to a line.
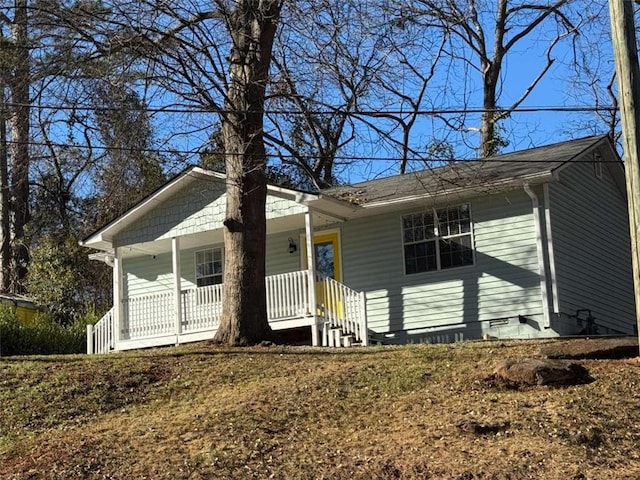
(332, 207)
(296, 195)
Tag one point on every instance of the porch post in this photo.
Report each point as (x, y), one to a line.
(118, 296)
(177, 289)
(89, 339)
(311, 265)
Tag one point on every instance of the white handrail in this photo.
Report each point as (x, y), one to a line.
(100, 337)
(288, 295)
(343, 308)
(201, 308)
(148, 316)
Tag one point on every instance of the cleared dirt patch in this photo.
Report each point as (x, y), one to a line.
(592, 348)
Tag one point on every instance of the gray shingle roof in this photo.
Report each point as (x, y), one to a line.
(493, 171)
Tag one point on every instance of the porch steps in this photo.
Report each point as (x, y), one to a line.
(334, 336)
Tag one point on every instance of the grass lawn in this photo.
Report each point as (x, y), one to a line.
(203, 412)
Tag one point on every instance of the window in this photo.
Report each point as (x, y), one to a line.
(437, 240)
(209, 267)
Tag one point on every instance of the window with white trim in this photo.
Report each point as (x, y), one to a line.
(209, 267)
(437, 239)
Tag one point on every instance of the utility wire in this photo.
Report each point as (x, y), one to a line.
(344, 158)
(372, 113)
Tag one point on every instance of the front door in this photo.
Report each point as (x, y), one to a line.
(327, 253)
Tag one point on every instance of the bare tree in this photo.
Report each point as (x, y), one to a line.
(482, 33)
(326, 60)
(593, 82)
(16, 68)
(213, 57)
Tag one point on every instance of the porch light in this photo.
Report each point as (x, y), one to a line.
(292, 246)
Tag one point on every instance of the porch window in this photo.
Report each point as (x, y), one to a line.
(209, 267)
(437, 239)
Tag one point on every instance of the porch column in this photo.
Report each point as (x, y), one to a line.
(177, 289)
(311, 265)
(118, 296)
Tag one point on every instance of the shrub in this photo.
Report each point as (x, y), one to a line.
(43, 336)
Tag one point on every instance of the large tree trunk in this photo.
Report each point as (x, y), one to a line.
(19, 125)
(244, 313)
(5, 224)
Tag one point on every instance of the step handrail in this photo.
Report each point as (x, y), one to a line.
(344, 308)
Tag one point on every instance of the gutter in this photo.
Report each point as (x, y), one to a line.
(502, 185)
(537, 219)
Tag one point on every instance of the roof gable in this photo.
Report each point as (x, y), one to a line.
(192, 202)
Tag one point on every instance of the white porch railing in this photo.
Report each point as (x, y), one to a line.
(148, 316)
(201, 308)
(288, 295)
(100, 337)
(343, 311)
(288, 298)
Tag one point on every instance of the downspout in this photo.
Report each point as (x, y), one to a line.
(550, 254)
(537, 220)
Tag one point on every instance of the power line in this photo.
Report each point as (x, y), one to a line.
(370, 113)
(277, 156)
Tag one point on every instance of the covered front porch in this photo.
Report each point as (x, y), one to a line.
(167, 255)
(339, 318)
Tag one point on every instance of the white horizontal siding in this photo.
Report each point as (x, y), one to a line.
(153, 274)
(592, 249)
(147, 275)
(504, 282)
(279, 260)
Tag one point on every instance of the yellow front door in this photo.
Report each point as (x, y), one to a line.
(327, 254)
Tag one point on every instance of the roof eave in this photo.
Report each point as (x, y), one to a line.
(504, 185)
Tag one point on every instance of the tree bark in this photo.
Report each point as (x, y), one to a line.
(19, 151)
(5, 225)
(252, 26)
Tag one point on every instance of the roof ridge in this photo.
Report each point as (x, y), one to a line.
(493, 158)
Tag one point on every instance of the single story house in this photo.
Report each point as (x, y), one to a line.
(528, 244)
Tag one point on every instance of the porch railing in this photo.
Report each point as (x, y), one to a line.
(342, 309)
(148, 316)
(201, 308)
(288, 297)
(101, 336)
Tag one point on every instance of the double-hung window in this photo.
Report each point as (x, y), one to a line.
(209, 267)
(437, 239)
